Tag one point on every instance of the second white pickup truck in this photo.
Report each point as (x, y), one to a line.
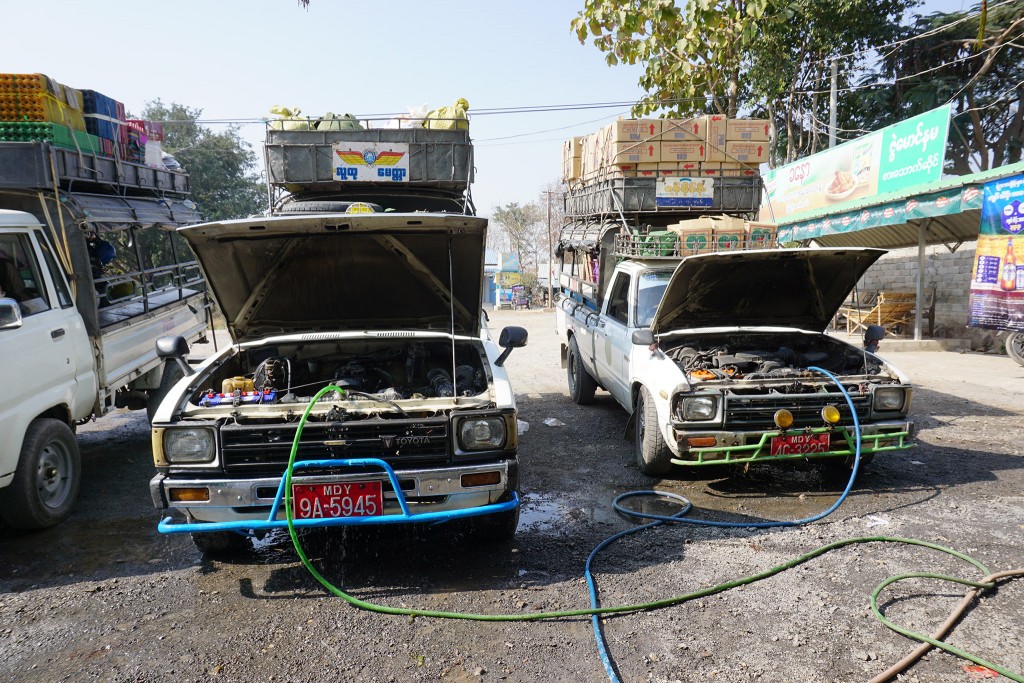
(717, 356)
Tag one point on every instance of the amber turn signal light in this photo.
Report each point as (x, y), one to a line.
(196, 495)
(481, 479)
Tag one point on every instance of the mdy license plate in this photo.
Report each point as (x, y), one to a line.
(330, 500)
(800, 444)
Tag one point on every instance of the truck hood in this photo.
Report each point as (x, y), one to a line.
(340, 272)
(799, 288)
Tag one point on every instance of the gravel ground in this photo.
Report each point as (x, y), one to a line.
(104, 597)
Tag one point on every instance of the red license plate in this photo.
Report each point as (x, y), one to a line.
(800, 444)
(334, 499)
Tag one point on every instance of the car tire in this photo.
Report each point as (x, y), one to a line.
(1015, 346)
(840, 468)
(653, 456)
(582, 385)
(172, 373)
(47, 478)
(221, 543)
(494, 528)
(322, 207)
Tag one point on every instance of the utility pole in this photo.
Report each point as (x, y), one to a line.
(550, 254)
(833, 103)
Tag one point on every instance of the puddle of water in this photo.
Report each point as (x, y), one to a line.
(554, 514)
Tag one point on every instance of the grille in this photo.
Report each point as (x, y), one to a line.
(263, 449)
(757, 412)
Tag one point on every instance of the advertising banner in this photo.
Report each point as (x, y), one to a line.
(673, 191)
(899, 156)
(371, 162)
(997, 284)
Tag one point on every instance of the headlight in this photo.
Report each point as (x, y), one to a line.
(481, 433)
(890, 398)
(188, 445)
(700, 408)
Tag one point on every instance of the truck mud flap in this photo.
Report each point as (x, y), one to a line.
(247, 526)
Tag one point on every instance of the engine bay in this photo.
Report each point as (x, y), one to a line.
(766, 356)
(385, 370)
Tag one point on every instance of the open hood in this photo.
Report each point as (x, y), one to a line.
(344, 272)
(800, 288)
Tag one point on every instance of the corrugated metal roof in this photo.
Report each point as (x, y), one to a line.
(951, 228)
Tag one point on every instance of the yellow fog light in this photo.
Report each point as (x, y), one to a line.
(783, 418)
(830, 414)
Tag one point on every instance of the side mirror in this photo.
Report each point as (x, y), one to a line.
(511, 337)
(10, 314)
(644, 337)
(176, 349)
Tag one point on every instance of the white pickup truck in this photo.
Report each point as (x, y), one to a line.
(358, 303)
(88, 282)
(714, 354)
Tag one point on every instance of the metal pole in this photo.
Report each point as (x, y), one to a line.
(550, 255)
(833, 101)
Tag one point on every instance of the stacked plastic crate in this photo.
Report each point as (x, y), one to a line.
(105, 118)
(36, 107)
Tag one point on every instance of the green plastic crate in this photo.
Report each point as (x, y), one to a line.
(54, 133)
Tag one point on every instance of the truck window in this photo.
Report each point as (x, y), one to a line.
(20, 277)
(618, 300)
(650, 290)
(63, 295)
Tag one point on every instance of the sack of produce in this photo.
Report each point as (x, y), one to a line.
(454, 117)
(288, 118)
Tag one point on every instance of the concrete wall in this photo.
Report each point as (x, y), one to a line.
(949, 273)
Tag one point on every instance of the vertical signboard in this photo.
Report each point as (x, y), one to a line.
(997, 283)
(907, 153)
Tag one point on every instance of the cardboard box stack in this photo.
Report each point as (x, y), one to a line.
(704, 146)
(722, 233)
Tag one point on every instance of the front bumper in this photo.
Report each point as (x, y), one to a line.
(413, 496)
(749, 447)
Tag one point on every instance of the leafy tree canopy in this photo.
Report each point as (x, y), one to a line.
(222, 166)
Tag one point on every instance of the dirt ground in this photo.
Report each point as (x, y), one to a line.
(104, 597)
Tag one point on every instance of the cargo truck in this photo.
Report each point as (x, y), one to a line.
(91, 274)
(713, 340)
(360, 353)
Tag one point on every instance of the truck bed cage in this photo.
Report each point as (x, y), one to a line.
(636, 199)
(36, 165)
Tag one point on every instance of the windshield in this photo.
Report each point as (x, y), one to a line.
(649, 292)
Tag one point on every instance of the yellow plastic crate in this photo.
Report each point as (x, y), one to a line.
(44, 107)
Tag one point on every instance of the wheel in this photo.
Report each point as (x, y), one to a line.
(582, 385)
(172, 373)
(221, 543)
(653, 456)
(47, 478)
(323, 207)
(500, 526)
(1015, 346)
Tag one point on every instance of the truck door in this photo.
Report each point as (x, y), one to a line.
(42, 354)
(611, 340)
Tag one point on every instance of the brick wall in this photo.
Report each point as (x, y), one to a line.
(949, 273)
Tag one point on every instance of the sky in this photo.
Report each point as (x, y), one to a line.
(234, 59)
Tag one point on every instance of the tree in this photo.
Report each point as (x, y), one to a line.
(760, 57)
(526, 231)
(984, 84)
(222, 167)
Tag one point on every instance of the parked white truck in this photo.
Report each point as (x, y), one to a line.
(349, 304)
(722, 357)
(91, 274)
